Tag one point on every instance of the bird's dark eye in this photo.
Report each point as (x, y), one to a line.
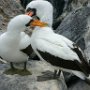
(28, 24)
(31, 10)
(34, 10)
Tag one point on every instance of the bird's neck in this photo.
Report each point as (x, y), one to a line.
(43, 30)
(47, 18)
(14, 32)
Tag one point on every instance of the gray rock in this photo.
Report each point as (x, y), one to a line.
(78, 3)
(74, 26)
(8, 9)
(87, 40)
(81, 85)
(1, 20)
(17, 82)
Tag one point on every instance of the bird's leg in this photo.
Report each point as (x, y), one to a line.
(87, 81)
(25, 65)
(89, 61)
(25, 71)
(48, 75)
(12, 66)
(59, 72)
(12, 70)
(56, 74)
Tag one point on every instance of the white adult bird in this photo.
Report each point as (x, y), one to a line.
(14, 42)
(54, 48)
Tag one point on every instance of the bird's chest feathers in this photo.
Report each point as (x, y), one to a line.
(8, 42)
(41, 33)
(38, 37)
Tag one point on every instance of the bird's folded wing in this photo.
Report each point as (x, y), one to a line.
(55, 45)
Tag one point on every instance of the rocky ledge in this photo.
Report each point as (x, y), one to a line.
(29, 82)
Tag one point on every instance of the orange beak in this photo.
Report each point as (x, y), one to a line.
(30, 13)
(38, 23)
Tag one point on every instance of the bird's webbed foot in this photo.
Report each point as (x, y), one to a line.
(48, 75)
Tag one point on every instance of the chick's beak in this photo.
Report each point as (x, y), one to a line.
(38, 23)
(30, 13)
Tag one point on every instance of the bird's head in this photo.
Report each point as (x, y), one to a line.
(40, 9)
(20, 22)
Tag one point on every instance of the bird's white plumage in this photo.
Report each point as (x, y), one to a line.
(46, 40)
(11, 41)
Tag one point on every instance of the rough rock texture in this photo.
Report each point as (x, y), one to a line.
(78, 4)
(8, 9)
(17, 82)
(87, 39)
(80, 86)
(74, 26)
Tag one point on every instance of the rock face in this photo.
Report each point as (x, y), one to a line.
(80, 86)
(8, 9)
(74, 26)
(87, 40)
(78, 3)
(17, 82)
